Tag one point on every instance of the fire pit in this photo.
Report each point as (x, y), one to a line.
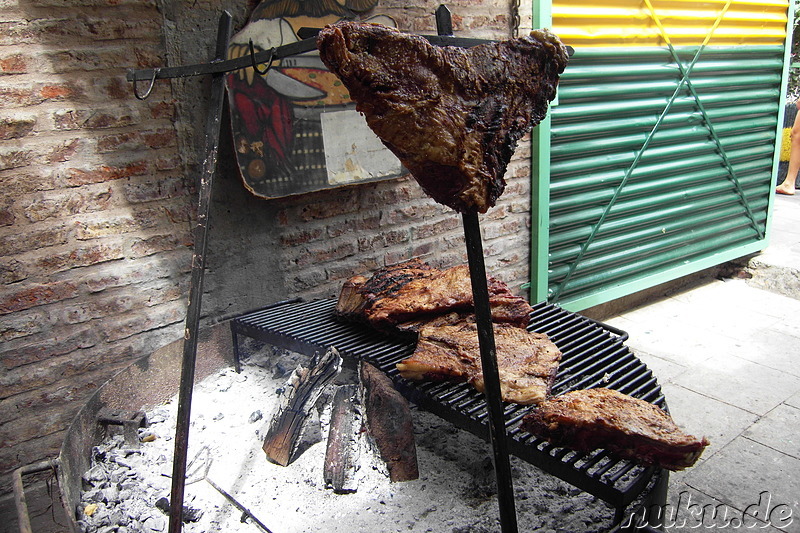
(579, 492)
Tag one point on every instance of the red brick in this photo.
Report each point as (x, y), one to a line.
(424, 231)
(18, 96)
(81, 119)
(155, 244)
(34, 295)
(54, 345)
(79, 257)
(61, 91)
(64, 151)
(160, 139)
(146, 320)
(133, 273)
(41, 422)
(7, 217)
(60, 204)
(78, 176)
(20, 325)
(48, 371)
(119, 141)
(87, 29)
(26, 181)
(25, 241)
(168, 163)
(301, 236)
(161, 110)
(16, 127)
(12, 271)
(383, 239)
(316, 256)
(147, 191)
(15, 158)
(103, 226)
(14, 64)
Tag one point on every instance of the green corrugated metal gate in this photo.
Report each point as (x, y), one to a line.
(660, 163)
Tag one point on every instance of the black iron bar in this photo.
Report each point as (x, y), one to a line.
(212, 135)
(239, 506)
(491, 376)
(222, 65)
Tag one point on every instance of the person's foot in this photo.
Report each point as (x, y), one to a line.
(785, 188)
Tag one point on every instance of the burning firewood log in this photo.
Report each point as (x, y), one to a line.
(296, 401)
(389, 423)
(342, 452)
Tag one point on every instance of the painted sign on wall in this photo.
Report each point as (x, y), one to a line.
(295, 128)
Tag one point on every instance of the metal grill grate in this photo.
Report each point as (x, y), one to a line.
(594, 355)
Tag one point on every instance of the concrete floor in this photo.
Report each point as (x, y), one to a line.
(727, 354)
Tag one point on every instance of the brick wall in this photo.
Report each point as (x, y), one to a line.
(98, 196)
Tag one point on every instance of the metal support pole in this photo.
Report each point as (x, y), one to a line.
(483, 319)
(491, 376)
(212, 133)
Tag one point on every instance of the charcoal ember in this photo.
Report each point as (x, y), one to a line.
(92, 495)
(110, 494)
(95, 475)
(154, 523)
(255, 416)
(190, 514)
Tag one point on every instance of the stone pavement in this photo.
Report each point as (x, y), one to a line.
(727, 353)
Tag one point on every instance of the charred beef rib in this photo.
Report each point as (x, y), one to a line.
(413, 290)
(626, 426)
(448, 349)
(452, 116)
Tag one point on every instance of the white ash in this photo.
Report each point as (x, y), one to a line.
(230, 415)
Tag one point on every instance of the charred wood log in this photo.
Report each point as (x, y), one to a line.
(342, 453)
(297, 398)
(389, 423)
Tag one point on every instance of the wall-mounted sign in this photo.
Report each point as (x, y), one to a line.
(295, 128)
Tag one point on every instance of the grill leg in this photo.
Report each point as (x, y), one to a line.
(651, 516)
(237, 364)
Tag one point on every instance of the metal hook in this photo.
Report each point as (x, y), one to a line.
(149, 89)
(253, 59)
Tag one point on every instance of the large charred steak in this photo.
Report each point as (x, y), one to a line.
(626, 426)
(452, 116)
(413, 290)
(448, 349)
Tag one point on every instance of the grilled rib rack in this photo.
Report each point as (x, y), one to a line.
(594, 355)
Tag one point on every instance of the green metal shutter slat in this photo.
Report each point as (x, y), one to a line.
(578, 129)
(664, 201)
(612, 258)
(619, 240)
(682, 182)
(634, 141)
(565, 183)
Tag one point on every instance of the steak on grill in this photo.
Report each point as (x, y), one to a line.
(452, 116)
(413, 291)
(623, 425)
(448, 349)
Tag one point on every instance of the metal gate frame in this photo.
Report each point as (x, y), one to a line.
(541, 185)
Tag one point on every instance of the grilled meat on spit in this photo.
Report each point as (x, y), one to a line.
(452, 116)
